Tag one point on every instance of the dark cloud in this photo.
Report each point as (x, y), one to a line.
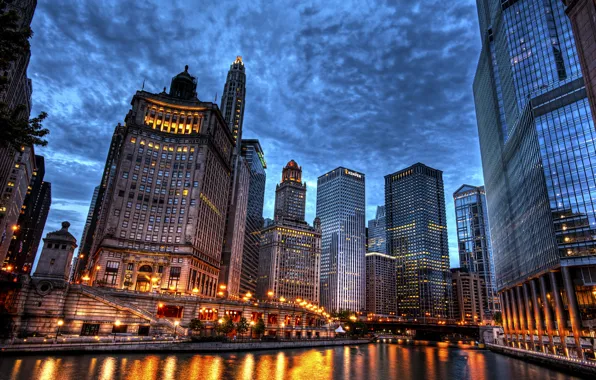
(372, 86)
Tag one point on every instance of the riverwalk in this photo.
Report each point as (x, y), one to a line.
(183, 345)
(571, 365)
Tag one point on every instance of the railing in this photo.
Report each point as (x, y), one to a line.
(544, 355)
(83, 341)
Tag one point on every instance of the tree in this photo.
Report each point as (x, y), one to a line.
(16, 129)
(196, 325)
(259, 328)
(498, 318)
(242, 326)
(342, 315)
(226, 325)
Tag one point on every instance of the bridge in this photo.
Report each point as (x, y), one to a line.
(431, 331)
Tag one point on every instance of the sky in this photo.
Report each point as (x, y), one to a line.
(371, 86)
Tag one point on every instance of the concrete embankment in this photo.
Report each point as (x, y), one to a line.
(210, 347)
(572, 366)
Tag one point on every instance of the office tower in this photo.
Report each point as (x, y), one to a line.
(538, 149)
(417, 237)
(290, 249)
(253, 154)
(25, 242)
(341, 208)
(16, 165)
(473, 241)
(232, 254)
(89, 219)
(468, 298)
(377, 233)
(380, 284)
(582, 14)
(162, 216)
(290, 194)
(232, 99)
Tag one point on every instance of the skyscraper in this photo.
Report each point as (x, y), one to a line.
(381, 295)
(377, 234)
(162, 217)
(538, 148)
(290, 249)
(25, 242)
(232, 99)
(89, 219)
(341, 207)
(290, 194)
(253, 154)
(417, 237)
(473, 241)
(468, 298)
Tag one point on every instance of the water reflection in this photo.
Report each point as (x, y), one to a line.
(374, 361)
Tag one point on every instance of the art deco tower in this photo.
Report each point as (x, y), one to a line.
(163, 199)
(232, 99)
(290, 194)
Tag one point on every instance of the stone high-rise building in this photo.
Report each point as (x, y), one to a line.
(381, 295)
(538, 149)
(290, 249)
(16, 165)
(473, 241)
(165, 193)
(253, 154)
(232, 99)
(341, 208)
(290, 194)
(25, 242)
(468, 298)
(417, 237)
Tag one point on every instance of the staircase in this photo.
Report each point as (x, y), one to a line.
(119, 304)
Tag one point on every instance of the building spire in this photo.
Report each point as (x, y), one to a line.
(232, 99)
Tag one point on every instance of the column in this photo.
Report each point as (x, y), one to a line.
(505, 319)
(576, 323)
(537, 315)
(548, 316)
(516, 327)
(529, 320)
(523, 321)
(509, 313)
(559, 312)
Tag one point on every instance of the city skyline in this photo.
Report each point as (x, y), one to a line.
(76, 154)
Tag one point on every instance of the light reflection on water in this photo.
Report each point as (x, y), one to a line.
(373, 361)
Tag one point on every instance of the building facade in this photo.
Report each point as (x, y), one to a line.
(162, 214)
(417, 238)
(381, 294)
(473, 241)
(25, 241)
(232, 99)
(253, 154)
(538, 149)
(468, 297)
(341, 209)
(290, 249)
(377, 233)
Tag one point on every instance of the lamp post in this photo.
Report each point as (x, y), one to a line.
(270, 294)
(252, 323)
(283, 330)
(59, 323)
(176, 323)
(116, 324)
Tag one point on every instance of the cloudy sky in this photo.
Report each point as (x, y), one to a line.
(372, 86)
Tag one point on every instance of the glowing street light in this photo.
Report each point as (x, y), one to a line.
(282, 299)
(59, 323)
(176, 323)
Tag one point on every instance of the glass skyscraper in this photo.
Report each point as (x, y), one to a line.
(417, 237)
(473, 240)
(341, 207)
(253, 154)
(538, 150)
(376, 232)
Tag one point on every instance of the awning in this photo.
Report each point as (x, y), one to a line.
(340, 330)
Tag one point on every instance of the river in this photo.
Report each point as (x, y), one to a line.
(372, 361)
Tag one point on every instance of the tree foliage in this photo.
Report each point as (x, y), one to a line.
(498, 318)
(242, 326)
(16, 129)
(342, 314)
(259, 328)
(226, 325)
(196, 325)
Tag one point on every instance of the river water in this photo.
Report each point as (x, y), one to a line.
(372, 361)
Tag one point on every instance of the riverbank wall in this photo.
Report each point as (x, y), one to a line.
(210, 347)
(572, 366)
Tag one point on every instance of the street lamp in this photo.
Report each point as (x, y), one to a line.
(282, 299)
(252, 323)
(270, 294)
(116, 324)
(59, 323)
(176, 323)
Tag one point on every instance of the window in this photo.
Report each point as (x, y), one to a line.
(124, 174)
(111, 272)
(174, 278)
(90, 329)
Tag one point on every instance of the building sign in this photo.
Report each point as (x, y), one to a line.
(353, 174)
